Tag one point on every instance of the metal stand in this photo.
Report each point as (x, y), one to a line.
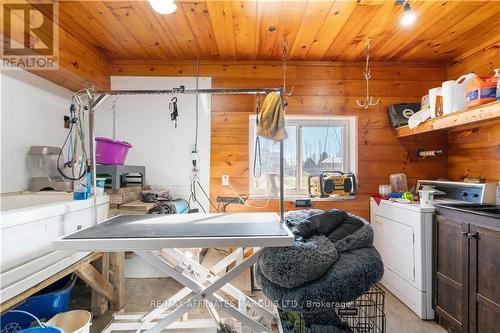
(206, 287)
(101, 96)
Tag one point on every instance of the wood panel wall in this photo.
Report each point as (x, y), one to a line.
(80, 63)
(475, 152)
(482, 60)
(324, 91)
(319, 89)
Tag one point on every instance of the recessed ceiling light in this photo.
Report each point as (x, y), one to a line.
(409, 15)
(163, 6)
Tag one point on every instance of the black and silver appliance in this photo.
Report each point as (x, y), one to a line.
(460, 192)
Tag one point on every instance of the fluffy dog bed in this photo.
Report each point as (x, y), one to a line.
(333, 260)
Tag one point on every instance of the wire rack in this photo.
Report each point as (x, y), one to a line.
(363, 315)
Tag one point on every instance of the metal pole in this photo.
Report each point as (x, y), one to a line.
(214, 91)
(92, 157)
(114, 124)
(282, 184)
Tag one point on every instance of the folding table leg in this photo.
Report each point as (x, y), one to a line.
(235, 313)
(166, 305)
(228, 288)
(201, 293)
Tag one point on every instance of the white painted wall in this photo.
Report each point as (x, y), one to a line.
(31, 114)
(144, 121)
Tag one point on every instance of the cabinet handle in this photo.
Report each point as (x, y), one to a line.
(472, 235)
(463, 233)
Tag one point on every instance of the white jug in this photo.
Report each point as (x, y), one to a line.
(454, 93)
(433, 93)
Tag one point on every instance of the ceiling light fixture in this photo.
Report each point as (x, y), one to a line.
(163, 7)
(409, 15)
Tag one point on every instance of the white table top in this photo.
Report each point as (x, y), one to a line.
(154, 232)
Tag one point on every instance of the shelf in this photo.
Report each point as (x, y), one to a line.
(485, 112)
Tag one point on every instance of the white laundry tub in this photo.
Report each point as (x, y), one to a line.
(29, 224)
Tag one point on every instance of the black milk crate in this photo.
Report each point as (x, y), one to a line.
(363, 315)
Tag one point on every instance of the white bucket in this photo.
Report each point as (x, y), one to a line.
(76, 321)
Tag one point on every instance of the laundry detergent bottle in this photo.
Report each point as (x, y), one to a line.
(496, 78)
(454, 97)
(481, 90)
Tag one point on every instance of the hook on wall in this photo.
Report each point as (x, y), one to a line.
(369, 101)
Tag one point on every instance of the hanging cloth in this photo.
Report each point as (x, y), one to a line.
(271, 123)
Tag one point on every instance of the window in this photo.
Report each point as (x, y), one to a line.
(314, 145)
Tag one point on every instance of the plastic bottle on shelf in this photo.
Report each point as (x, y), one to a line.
(496, 77)
(481, 90)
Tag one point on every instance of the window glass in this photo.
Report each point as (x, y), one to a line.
(321, 150)
(314, 145)
(270, 157)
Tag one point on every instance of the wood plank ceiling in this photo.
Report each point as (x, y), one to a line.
(316, 30)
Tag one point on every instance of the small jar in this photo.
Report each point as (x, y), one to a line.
(384, 190)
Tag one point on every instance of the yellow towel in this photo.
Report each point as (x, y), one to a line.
(272, 118)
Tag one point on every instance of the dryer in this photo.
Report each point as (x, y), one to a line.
(403, 237)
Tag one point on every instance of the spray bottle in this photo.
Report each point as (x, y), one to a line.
(83, 187)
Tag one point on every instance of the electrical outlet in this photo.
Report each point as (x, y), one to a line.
(66, 122)
(225, 180)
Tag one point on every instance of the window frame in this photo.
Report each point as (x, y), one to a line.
(348, 123)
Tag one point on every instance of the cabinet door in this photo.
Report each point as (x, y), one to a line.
(484, 297)
(451, 274)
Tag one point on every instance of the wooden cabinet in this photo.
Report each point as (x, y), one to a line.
(484, 280)
(450, 273)
(466, 272)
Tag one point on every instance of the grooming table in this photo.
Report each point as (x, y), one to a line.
(156, 239)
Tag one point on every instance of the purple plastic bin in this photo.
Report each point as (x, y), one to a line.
(109, 151)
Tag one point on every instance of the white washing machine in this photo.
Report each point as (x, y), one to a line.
(403, 236)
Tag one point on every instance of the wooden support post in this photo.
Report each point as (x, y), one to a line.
(95, 280)
(99, 304)
(117, 279)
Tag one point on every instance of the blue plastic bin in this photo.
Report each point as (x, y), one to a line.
(44, 305)
(46, 329)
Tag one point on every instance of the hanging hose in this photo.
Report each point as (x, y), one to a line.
(75, 134)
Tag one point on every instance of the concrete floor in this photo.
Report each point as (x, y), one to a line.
(143, 294)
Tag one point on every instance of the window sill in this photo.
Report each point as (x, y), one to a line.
(294, 197)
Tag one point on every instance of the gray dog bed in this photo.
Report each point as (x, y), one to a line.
(332, 261)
